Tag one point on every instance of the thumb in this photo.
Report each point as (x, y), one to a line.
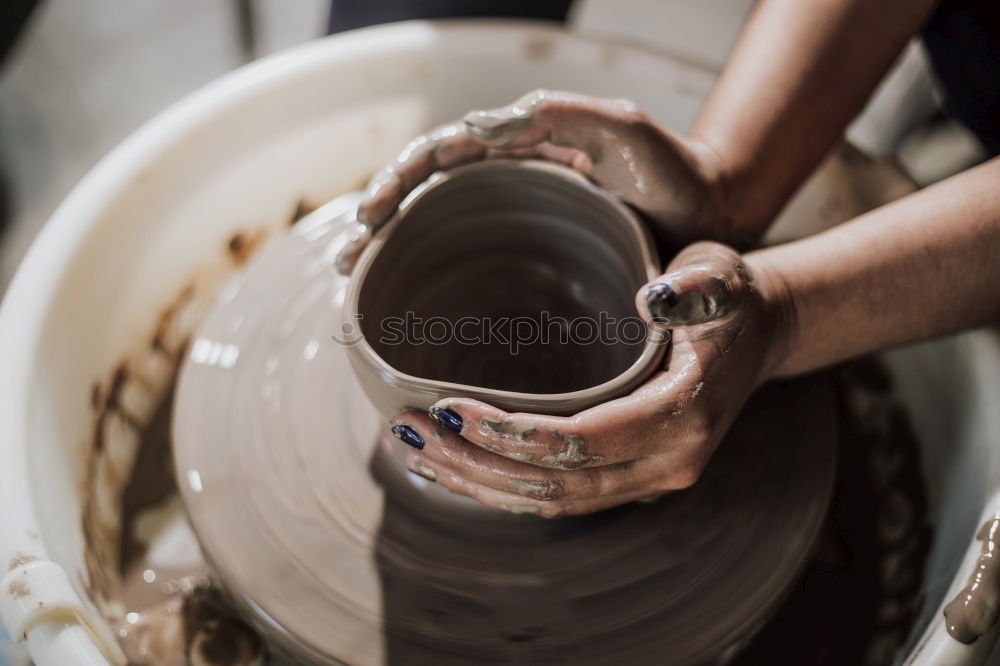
(705, 282)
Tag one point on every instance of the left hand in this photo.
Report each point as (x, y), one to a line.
(729, 320)
(677, 183)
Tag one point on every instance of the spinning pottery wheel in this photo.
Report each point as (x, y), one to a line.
(337, 554)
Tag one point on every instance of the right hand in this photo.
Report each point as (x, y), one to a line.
(732, 323)
(676, 183)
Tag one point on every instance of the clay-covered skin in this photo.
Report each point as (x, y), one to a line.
(675, 182)
(974, 611)
(657, 439)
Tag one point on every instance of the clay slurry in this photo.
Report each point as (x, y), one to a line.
(971, 614)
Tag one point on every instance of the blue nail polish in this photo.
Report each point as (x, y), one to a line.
(408, 435)
(447, 417)
(661, 300)
(661, 293)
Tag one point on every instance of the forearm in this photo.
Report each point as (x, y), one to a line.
(921, 267)
(800, 72)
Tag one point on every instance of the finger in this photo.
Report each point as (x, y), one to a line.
(387, 189)
(546, 151)
(511, 502)
(545, 441)
(357, 241)
(475, 464)
(705, 283)
(444, 148)
(657, 418)
(559, 118)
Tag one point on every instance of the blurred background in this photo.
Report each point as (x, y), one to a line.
(77, 76)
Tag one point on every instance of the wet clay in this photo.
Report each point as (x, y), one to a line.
(974, 611)
(287, 475)
(502, 242)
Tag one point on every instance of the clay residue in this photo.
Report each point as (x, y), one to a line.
(423, 470)
(971, 614)
(165, 340)
(507, 428)
(573, 455)
(19, 560)
(152, 481)
(130, 478)
(243, 244)
(540, 490)
(218, 637)
(302, 208)
(18, 589)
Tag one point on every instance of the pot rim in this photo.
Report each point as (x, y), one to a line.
(653, 349)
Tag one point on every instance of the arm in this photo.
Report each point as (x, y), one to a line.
(801, 71)
(798, 75)
(924, 266)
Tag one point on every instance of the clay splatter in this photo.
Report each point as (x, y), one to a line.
(18, 589)
(20, 560)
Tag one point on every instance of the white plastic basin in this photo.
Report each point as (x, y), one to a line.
(313, 123)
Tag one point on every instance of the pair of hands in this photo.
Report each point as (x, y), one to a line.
(727, 317)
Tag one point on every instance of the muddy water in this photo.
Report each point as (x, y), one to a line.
(144, 569)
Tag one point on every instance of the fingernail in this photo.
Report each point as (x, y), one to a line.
(447, 417)
(422, 470)
(408, 435)
(497, 124)
(669, 307)
(661, 299)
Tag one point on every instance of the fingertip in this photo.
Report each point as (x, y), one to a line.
(498, 127)
(656, 303)
(345, 261)
(446, 417)
(382, 198)
(421, 467)
(348, 255)
(408, 435)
